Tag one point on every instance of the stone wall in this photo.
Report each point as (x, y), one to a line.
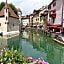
(13, 24)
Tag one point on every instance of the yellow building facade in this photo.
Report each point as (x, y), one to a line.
(40, 17)
(36, 18)
(44, 16)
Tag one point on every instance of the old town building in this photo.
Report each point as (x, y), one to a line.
(9, 21)
(31, 20)
(36, 18)
(44, 16)
(25, 20)
(56, 15)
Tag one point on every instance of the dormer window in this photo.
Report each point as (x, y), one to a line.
(6, 10)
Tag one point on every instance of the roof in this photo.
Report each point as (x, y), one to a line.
(53, 26)
(2, 12)
(31, 15)
(36, 12)
(52, 2)
(10, 11)
(25, 17)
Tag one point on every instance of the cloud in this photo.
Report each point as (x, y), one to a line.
(27, 6)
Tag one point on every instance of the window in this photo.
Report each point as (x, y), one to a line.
(5, 23)
(53, 20)
(0, 24)
(6, 17)
(36, 19)
(6, 10)
(32, 19)
(49, 7)
(54, 4)
(13, 24)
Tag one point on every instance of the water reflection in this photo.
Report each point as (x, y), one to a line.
(39, 45)
(8, 42)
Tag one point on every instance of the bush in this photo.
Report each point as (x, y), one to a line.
(12, 57)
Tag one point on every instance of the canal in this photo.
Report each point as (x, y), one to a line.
(35, 44)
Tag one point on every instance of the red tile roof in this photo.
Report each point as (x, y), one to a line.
(25, 17)
(36, 12)
(2, 12)
(10, 11)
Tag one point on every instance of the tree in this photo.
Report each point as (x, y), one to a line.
(2, 4)
(14, 8)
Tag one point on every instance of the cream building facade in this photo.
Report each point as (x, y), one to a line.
(31, 20)
(44, 16)
(40, 17)
(36, 18)
(25, 20)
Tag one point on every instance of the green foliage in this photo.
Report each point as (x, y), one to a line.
(13, 57)
(14, 8)
(2, 4)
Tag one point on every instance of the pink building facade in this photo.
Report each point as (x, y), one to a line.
(56, 14)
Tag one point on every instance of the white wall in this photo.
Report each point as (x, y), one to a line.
(3, 27)
(63, 13)
(58, 7)
(25, 22)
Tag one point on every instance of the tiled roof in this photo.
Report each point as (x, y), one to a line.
(51, 2)
(10, 11)
(25, 17)
(36, 12)
(2, 12)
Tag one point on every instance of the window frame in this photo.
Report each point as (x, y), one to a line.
(54, 4)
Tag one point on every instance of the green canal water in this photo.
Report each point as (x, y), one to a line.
(35, 44)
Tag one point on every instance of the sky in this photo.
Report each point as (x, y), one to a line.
(27, 6)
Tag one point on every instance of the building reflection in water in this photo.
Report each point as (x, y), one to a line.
(9, 42)
(54, 52)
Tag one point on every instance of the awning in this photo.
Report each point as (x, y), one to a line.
(53, 26)
(60, 27)
(40, 26)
